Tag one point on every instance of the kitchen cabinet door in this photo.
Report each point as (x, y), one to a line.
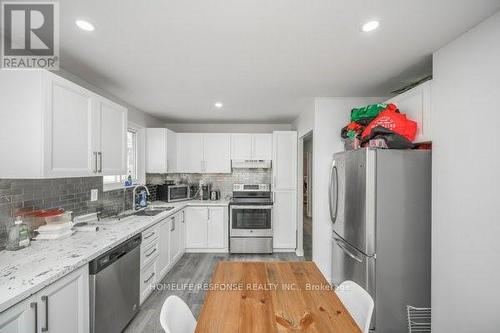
(64, 305)
(285, 220)
(20, 318)
(196, 227)
(164, 245)
(217, 153)
(183, 231)
(284, 160)
(173, 239)
(68, 130)
(171, 151)
(216, 234)
(241, 146)
(190, 152)
(156, 150)
(113, 138)
(262, 146)
(416, 104)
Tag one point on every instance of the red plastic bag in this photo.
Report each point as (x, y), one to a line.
(395, 121)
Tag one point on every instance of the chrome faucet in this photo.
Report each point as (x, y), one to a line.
(134, 193)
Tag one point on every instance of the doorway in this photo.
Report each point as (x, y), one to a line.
(307, 195)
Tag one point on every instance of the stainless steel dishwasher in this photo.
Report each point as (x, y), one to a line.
(114, 287)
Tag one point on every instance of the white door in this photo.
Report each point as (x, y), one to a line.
(68, 130)
(285, 160)
(285, 220)
(190, 152)
(217, 153)
(216, 231)
(19, 318)
(196, 227)
(164, 244)
(262, 146)
(173, 238)
(241, 146)
(113, 130)
(67, 303)
(171, 151)
(183, 230)
(156, 150)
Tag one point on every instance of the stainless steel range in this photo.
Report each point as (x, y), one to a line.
(251, 227)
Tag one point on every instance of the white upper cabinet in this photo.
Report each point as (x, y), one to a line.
(190, 152)
(161, 151)
(204, 153)
(251, 146)
(112, 151)
(416, 104)
(262, 146)
(284, 160)
(56, 128)
(217, 153)
(68, 130)
(241, 146)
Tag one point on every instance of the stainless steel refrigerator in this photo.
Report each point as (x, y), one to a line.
(380, 207)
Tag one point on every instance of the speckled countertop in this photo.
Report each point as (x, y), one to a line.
(27, 271)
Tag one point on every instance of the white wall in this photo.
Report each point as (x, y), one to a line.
(226, 128)
(466, 197)
(331, 114)
(305, 121)
(134, 115)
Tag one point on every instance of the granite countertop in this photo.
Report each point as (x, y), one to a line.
(27, 271)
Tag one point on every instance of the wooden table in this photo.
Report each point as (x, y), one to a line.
(266, 297)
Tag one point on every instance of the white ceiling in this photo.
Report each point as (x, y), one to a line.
(262, 58)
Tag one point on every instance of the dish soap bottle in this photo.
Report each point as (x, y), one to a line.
(18, 235)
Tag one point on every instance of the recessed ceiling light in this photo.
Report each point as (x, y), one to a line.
(85, 25)
(218, 105)
(370, 26)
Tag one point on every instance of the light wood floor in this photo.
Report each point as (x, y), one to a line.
(192, 268)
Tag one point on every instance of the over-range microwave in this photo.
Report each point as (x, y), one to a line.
(172, 193)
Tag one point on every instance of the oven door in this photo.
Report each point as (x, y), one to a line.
(251, 221)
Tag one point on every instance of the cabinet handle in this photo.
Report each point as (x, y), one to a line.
(35, 305)
(208, 211)
(173, 224)
(183, 217)
(150, 253)
(149, 278)
(150, 235)
(100, 161)
(95, 159)
(46, 300)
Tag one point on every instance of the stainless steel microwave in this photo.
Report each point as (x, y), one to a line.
(173, 193)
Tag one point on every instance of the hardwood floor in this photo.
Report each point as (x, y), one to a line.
(194, 269)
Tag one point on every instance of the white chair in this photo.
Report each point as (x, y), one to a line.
(358, 302)
(175, 316)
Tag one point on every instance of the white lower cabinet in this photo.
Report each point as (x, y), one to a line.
(60, 307)
(284, 220)
(206, 229)
(148, 279)
(164, 244)
(20, 318)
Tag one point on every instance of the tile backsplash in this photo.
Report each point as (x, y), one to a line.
(72, 194)
(222, 182)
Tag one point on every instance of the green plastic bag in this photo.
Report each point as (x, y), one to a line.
(367, 112)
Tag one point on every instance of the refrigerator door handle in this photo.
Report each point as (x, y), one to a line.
(340, 243)
(333, 191)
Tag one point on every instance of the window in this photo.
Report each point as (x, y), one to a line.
(134, 167)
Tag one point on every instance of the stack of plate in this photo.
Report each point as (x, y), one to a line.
(55, 231)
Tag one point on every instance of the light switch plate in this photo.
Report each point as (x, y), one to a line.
(93, 194)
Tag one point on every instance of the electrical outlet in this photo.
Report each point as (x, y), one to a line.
(94, 194)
